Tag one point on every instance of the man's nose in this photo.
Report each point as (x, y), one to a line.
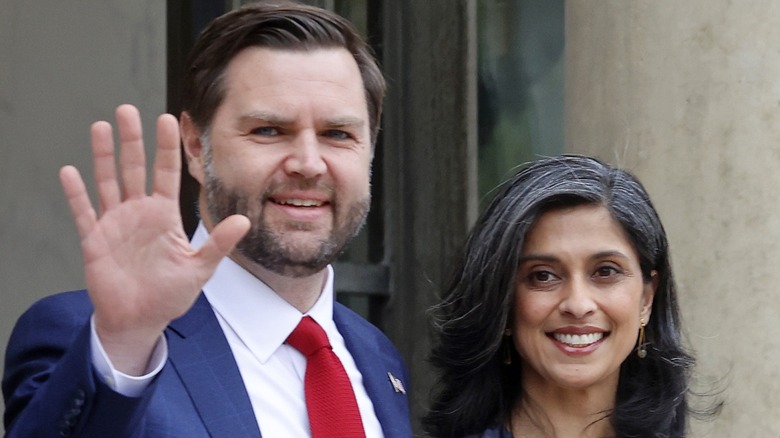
(305, 158)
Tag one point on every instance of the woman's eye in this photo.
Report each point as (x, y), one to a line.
(541, 277)
(606, 271)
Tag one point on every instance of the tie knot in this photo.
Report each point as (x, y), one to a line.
(308, 337)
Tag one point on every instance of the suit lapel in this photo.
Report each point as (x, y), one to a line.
(375, 358)
(201, 356)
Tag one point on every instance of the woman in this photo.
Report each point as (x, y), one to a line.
(562, 319)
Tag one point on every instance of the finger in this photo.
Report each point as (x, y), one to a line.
(222, 239)
(132, 158)
(105, 168)
(78, 200)
(167, 164)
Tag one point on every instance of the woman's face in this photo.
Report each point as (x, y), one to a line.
(579, 299)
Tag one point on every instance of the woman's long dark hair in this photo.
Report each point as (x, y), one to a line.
(475, 389)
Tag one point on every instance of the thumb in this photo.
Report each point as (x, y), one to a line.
(222, 239)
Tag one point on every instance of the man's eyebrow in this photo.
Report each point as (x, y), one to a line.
(277, 119)
(342, 121)
(266, 117)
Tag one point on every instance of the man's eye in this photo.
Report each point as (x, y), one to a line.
(265, 130)
(337, 134)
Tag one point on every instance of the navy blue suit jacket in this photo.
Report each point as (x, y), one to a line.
(51, 389)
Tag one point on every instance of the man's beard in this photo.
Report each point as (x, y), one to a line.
(267, 247)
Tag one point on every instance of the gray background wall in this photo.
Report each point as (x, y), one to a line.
(63, 65)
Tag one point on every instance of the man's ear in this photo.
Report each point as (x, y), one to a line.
(193, 148)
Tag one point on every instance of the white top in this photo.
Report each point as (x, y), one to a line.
(256, 322)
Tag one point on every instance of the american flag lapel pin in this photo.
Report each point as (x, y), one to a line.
(398, 386)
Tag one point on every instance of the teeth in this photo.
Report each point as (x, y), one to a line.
(301, 202)
(578, 340)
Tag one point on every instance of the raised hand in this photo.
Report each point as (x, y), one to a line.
(141, 271)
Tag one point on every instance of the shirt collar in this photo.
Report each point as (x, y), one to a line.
(261, 319)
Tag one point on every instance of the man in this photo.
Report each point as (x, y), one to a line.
(280, 113)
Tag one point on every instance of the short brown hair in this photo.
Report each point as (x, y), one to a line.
(284, 26)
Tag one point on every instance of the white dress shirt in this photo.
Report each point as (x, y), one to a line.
(256, 322)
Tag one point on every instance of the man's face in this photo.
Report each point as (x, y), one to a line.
(290, 148)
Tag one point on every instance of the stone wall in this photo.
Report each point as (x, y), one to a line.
(687, 95)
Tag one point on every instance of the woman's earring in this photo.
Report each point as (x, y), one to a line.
(507, 347)
(641, 350)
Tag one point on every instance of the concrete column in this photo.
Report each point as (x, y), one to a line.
(64, 65)
(687, 95)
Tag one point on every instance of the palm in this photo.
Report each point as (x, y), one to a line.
(139, 264)
(140, 269)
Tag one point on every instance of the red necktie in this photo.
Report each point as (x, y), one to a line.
(333, 411)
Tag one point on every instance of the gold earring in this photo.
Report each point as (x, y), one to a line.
(507, 347)
(641, 350)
